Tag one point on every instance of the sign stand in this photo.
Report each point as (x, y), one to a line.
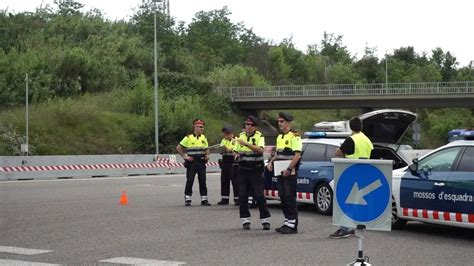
(362, 198)
(361, 260)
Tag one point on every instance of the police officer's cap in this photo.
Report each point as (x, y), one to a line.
(226, 129)
(198, 122)
(286, 116)
(251, 120)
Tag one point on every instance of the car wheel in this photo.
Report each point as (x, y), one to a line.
(397, 222)
(323, 199)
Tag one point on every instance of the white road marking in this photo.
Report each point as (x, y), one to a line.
(22, 251)
(151, 185)
(140, 261)
(24, 263)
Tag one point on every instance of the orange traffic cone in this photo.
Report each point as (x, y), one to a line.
(123, 198)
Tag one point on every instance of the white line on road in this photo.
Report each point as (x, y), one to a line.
(139, 261)
(22, 251)
(151, 185)
(24, 263)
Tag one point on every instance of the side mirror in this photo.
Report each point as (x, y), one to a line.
(414, 166)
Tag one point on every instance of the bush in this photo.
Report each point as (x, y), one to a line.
(11, 140)
(176, 84)
(437, 123)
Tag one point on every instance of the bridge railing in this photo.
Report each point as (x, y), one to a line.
(375, 89)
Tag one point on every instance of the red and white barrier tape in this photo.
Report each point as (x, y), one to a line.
(439, 215)
(161, 162)
(300, 196)
(271, 193)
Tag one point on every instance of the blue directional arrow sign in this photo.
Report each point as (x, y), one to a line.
(362, 193)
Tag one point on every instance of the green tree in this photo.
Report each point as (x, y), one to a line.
(280, 69)
(405, 54)
(342, 74)
(68, 7)
(466, 73)
(368, 66)
(332, 47)
(446, 62)
(234, 76)
(216, 40)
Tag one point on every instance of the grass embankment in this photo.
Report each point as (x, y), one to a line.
(122, 122)
(108, 123)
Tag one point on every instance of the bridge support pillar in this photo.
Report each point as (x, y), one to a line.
(366, 109)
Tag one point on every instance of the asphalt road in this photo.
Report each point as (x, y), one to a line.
(81, 222)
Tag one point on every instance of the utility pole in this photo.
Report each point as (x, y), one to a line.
(167, 7)
(386, 70)
(386, 67)
(157, 144)
(26, 147)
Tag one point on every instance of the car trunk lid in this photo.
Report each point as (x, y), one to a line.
(387, 126)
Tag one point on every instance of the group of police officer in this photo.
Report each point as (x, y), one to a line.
(242, 165)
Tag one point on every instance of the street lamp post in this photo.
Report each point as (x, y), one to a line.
(386, 70)
(26, 148)
(157, 147)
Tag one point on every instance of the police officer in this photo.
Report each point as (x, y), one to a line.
(194, 150)
(250, 151)
(227, 168)
(357, 146)
(251, 199)
(288, 147)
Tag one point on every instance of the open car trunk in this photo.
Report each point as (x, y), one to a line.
(387, 153)
(386, 126)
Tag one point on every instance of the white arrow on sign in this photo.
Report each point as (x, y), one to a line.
(357, 195)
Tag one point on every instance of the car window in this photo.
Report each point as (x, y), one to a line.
(442, 161)
(314, 152)
(466, 163)
(330, 152)
(304, 147)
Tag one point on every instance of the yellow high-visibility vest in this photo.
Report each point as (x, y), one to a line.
(287, 145)
(196, 146)
(362, 146)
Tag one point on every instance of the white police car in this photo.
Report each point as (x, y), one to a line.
(315, 176)
(437, 188)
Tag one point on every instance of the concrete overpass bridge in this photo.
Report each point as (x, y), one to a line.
(346, 96)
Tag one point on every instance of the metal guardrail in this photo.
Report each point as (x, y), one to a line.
(376, 89)
(83, 166)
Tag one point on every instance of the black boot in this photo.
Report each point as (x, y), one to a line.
(266, 226)
(288, 230)
(223, 202)
(205, 203)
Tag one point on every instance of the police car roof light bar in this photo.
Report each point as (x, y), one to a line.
(322, 134)
(467, 134)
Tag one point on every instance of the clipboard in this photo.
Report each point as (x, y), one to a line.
(280, 166)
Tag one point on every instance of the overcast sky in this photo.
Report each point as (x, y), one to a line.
(383, 24)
